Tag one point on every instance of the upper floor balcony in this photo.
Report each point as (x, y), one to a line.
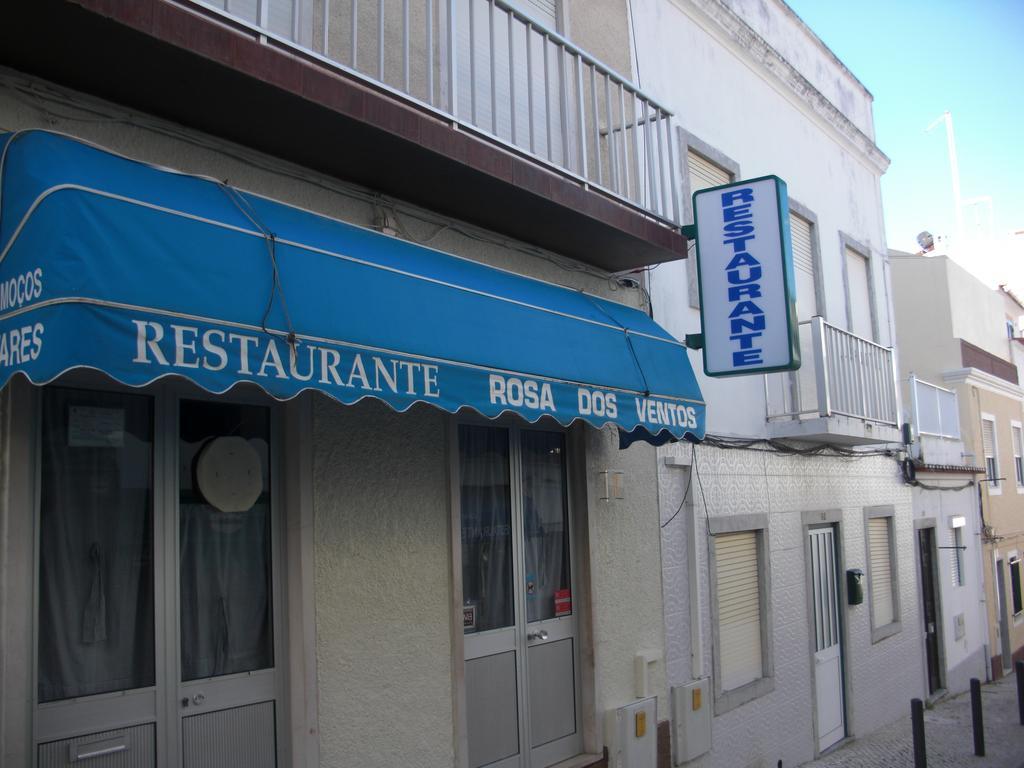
(845, 391)
(473, 108)
(935, 418)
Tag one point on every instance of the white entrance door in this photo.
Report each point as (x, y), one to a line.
(156, 607)
(828, 652)
(521, 648)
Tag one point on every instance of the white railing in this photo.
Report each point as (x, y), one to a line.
(936, 411)
(496, 71)
(843, 375)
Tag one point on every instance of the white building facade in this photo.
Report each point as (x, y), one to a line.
(799, 483)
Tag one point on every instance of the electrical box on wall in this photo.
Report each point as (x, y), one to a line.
(691, 721)
(633, 735)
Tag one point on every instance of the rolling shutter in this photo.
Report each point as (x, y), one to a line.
(882, 609)
(803, 262)
(988, 437)
(739, 609)
(704, 173)
(543, 11)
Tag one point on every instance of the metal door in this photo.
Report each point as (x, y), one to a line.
(225, 542)
(168, 655)
(828, 648)
(1004, 622)
(521, 648)
(932, 622)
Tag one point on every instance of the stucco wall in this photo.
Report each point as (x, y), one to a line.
(924, 325)
(625, 565)
(881, 676)
(785, 31)
(383, 592)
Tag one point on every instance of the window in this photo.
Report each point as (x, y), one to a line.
(1015, 587)
(882, 573)
(1009, 329)
(802, 232)
(956, 555)
(988, 443)
(858, 277)
(705, 167)
(742, 658)
(1018, 454)
(739, 609)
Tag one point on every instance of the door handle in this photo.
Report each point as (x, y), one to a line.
(539, 634)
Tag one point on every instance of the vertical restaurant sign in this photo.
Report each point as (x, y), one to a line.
(745, 275)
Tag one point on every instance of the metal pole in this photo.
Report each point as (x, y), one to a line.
(976, 718)
(917, 727)
(954, 170)
(1020, 689)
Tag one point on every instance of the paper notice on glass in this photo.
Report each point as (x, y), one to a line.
(90, 427)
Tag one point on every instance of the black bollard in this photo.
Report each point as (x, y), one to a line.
(976, 721)
(1020, 689)
(917, 728)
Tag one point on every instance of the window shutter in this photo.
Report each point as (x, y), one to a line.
(803, 261)
(956, 541)
(988, 437)
(704, 173)
(881, 571)
(544, 11)
(739, 608)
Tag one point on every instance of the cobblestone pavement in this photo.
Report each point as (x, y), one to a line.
(948, 736)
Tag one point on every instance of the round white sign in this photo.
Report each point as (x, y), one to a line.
(229, 474)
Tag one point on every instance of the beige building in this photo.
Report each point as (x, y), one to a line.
(957, 333)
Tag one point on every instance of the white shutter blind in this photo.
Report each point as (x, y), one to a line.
(704, 173)
(803, 262)
(543, 11)
(881, 571)
(956, 541)
(739, 608)
(988, 437)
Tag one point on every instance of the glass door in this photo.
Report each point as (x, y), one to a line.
(156, 582)
(96, 622)
(227, 688)
(521, 648)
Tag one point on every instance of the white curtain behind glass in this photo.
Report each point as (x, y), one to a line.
(95, 548)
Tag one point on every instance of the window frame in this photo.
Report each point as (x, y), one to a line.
(690, 143)
(1017, 444)
(848, 242)
(956, 540)
(805, 213)
(1013, 563)
(995, 487)
(879, 633)
(757, 524)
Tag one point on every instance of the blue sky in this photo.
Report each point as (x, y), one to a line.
(920, 59)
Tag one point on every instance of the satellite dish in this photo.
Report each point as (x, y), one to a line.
(229, 474)
(926, 241)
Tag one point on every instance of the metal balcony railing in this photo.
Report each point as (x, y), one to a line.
(496, 71)
(936, 411)
(844, 375)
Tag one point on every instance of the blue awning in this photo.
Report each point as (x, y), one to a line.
(141, 272)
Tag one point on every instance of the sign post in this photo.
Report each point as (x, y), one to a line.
(745, 275)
